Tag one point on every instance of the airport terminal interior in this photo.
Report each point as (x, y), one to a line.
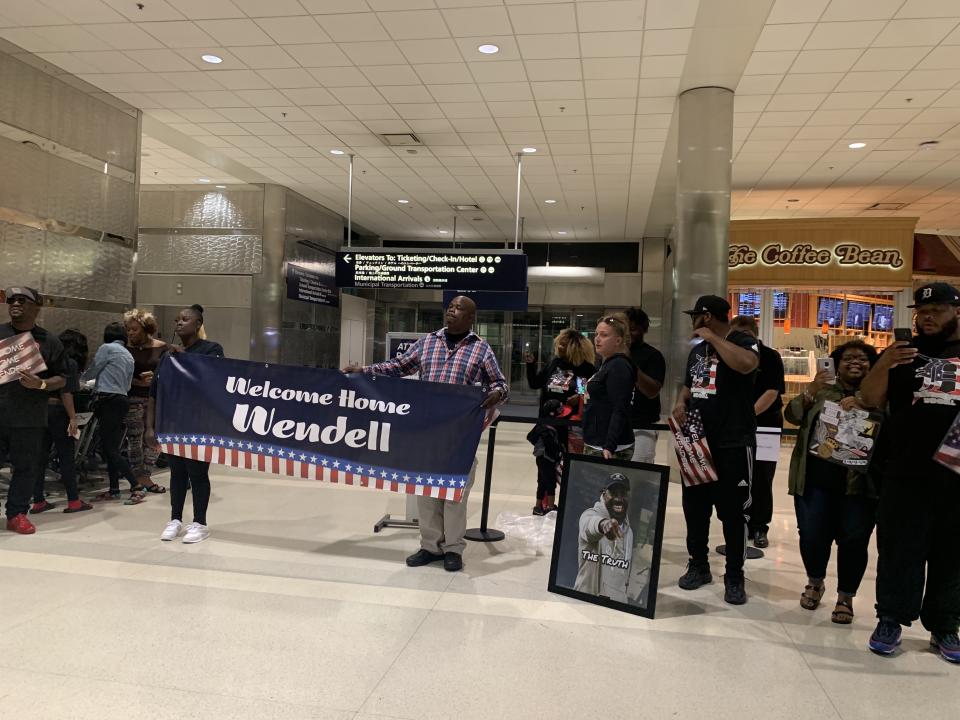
(310, 185)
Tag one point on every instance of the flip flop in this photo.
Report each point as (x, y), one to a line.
(83, 506)
(135, 499)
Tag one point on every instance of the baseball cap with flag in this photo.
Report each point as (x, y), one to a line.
(713, 304)
(937, 293)
(23, 291)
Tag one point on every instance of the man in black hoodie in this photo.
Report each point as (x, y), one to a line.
(719, 384)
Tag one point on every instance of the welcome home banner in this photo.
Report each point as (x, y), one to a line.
(386, 433)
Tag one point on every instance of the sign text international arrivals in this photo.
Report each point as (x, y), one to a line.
(431, 270)
(848, 254)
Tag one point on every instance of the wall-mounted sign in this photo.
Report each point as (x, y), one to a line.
(312, 282)
(432, 269)
(824, 252)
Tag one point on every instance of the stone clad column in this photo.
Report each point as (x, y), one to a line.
(700, 243)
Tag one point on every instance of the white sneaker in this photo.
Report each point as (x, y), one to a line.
(196, 533)
(171, 530)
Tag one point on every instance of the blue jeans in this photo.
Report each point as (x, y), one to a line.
(827, 516)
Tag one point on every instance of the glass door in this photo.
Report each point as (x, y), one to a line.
(525, 338)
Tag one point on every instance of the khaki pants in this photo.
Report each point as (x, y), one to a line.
(443, 523)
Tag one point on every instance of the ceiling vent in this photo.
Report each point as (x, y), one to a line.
(466, 208)
(400, 139)
(888, 206)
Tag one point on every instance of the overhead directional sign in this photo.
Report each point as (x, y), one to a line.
(432, 269)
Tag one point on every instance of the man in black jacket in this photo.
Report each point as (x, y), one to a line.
(719, 384)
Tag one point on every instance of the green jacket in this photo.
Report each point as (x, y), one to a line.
(859, 480)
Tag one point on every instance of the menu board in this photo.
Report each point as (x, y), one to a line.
(858, 315)
(882, 318)
(780, 305)
(749, 304)
(830, 311)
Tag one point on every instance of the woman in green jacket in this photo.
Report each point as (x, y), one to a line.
(833, 503)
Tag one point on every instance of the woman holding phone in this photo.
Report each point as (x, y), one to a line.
(833, 503)
(606, 415)
(141, 327)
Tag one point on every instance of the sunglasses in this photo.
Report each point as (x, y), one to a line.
(19, 300)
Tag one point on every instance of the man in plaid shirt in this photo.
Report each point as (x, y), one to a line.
(458, 356)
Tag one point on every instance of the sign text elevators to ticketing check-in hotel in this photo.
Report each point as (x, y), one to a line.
(431, 270)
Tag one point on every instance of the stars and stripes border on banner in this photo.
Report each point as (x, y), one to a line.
(264, 457)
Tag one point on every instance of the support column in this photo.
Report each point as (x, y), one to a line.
(269, 288)
(703, 211)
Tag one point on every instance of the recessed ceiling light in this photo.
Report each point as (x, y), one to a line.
(561, 232)
(443, 232)
(529, 150)
(336, 152)
(927, 144)
(857, 145)
(550, 202)
(203, 180)
(403, 202)
(212, 59)
(221, 187)
(488, 49)
(793, 200)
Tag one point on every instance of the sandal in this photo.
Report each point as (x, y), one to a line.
(156, 489)
(811, 596)
(843, 612)
(135, 498)
(106, 496)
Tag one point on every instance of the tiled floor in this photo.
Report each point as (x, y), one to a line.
(295, 609)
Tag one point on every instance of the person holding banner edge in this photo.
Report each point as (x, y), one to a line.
(719, 383)
(458, 356)
(185, 473)
(23, 405)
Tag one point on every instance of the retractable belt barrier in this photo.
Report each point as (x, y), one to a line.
(486, 534)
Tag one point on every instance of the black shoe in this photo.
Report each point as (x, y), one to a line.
(760, 539)
(423, 557)
(452, 562)
(538, 510)
(733, 591)
(695, 576)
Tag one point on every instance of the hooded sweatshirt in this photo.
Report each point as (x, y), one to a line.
(604, 564)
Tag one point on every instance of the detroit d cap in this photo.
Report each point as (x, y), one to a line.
(23, 291)
(713, 304)
(937, 293)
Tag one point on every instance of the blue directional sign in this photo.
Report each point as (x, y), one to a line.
(504, 271)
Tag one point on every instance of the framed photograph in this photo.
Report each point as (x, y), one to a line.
(606, 549)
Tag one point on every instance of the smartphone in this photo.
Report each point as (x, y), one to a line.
(905, 334)
(826, 364)
(581, 385)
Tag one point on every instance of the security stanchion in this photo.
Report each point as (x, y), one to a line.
(483, 533)
(752, 552)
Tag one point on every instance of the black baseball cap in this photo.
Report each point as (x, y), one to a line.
(713, 304)
(937, 293)
(23, 291)
(618, 482)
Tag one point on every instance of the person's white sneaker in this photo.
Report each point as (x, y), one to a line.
(196, 533)
(171, 530)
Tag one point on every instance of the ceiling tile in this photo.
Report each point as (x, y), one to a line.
(857, 81)
(781, 119)
(512, 70)
(929, 80)
(155, 10)
(831, 118)
(463, 92)
(374, 112)
(414, 24)
(309, 96)
(750, 103)
(610, 68)
(516, 109)
(362, 95)
(352, 27)
(623, 88)
(538, 19)
(621, 106)
(662, 66)
(760, 84)
(770, 63)
(206, 9)
(219, 99)
(295, 30)
(663, 14)
(477, 21)
(498, 92)
(790, 11)
(904, 33)
(259, 98)
(365, 53)
(800, 101)
(658, 87)
(611, 15)
(265, 57)
(468, 110)
(830, 35)
(928, 9)
(890, 58)
(824, 61)
(345, 77)
(234, 32)
(274, 8)
(617, 44)
(546, 70)
(666, 42)
(416, 111)
(545, 47)
(942, 58)
(560, 90)
(123, 36)
(858, 10)
(178, 34)
(851, 100)
(405, 94)
(199, 81)
(888, 116)
(289, 78)
(430, 51)
(157, 60)
(774, 38)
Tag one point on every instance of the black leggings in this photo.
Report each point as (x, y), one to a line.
(66, 447)
(196, 473)
(546, 478)
(111, 411)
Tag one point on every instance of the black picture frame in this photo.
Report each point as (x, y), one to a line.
(586, 477)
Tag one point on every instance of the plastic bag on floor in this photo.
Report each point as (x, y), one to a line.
(528, 534)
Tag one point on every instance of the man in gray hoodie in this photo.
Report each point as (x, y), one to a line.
(605, 544)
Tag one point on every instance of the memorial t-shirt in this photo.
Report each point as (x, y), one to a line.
(21, 407)
(649, 360)
(924, 399)
(723, 396)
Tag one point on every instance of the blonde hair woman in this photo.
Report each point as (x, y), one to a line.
(147, 351)
(606, 415)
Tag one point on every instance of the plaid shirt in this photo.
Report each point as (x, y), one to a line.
(471, 362)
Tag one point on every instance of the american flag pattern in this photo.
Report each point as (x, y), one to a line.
(19, 353)
(693, 451)
(269, 458)
(948, 453)
(471, 362)
(704, 375)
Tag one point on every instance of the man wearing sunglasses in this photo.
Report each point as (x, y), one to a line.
(23, 405)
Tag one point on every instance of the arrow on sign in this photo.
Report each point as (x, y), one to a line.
(347, 259)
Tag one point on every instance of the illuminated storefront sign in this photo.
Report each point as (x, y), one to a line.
(806, 254)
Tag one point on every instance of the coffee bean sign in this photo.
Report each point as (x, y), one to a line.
(847, 254)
